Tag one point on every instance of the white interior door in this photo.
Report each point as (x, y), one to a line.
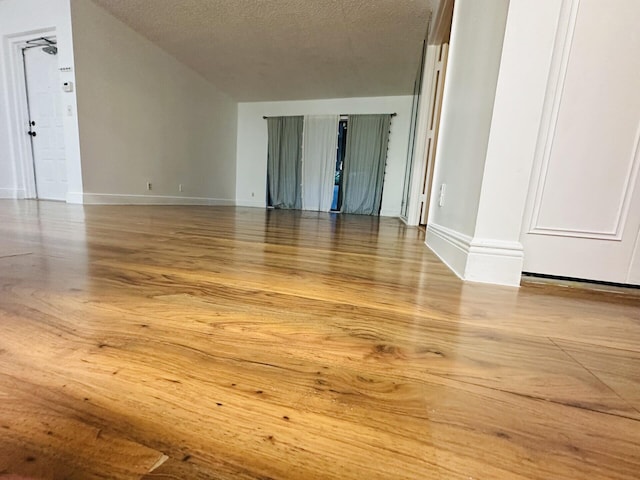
(45, 109)
(584, 204)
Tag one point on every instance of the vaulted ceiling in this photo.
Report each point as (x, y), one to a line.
(258, 50)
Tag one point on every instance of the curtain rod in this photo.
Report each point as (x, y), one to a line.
(343, 115)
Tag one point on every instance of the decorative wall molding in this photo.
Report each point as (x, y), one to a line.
(477, 259)
(553, 100)
(502, 248)
(555, 91)
(622, 210)
(117, 199)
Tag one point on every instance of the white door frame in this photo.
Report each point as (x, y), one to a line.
(18, 112)
(419, 155)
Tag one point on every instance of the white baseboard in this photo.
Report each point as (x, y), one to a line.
(11, 193)
(75, 197)
(118, 199)
(450, 246)
(495, 261)
(408, 223)
(7, 193)
(390, 213)
(477, 259)
(242, 202)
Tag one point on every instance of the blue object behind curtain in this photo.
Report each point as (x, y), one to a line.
(364, 163)
(284, 161)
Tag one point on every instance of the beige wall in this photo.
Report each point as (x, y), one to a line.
(144, 116)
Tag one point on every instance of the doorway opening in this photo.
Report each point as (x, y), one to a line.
(336, 205)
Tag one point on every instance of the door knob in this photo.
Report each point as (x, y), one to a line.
(33, 134)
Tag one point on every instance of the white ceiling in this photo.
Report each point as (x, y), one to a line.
(257, 50)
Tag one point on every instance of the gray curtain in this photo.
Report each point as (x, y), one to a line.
(284, 161)
(364, 163)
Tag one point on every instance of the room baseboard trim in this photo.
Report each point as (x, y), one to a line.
(118, 199)
(250, 203)
(450, 246)
(11, 193)
(495, 261)
(389, 213)
(477, 259)
(75, 197)
(407, 222)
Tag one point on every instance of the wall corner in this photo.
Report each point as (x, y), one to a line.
(494, 261)
(477, 259)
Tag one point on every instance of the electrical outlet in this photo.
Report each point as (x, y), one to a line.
(148, 185)
(179, 187)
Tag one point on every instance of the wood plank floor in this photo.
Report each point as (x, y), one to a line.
(230, 343)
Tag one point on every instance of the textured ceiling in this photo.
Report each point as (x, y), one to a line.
(288, 49)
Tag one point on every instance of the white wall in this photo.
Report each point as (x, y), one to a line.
(475, 50)
(144, 116)
(520, 94)
(583, 209)
(19, 17)
(483, 244)
(474, 59)
(252, 142)
(524, 70)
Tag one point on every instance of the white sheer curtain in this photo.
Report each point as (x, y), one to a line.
(319, 161)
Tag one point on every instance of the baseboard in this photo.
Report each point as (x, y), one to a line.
(477, 259)
(75, 197)
(11, 193)
(407, 222)
(118, 199)
(495, 261)
(450, 246)
(241, 202)
(390, 213)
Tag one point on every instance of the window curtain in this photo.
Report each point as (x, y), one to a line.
(319, 161)
(364, 163)
(284, 161)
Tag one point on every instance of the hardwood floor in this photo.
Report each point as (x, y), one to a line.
(232, 343)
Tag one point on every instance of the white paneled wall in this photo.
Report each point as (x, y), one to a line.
(583, 209)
